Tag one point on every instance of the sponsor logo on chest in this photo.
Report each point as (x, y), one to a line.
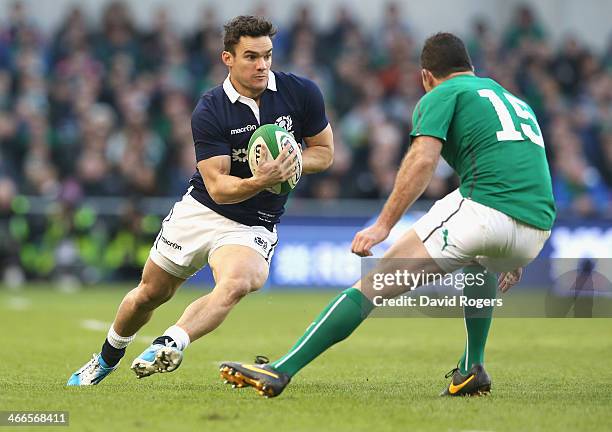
(247, 128)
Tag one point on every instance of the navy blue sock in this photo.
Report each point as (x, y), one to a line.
(110, 354)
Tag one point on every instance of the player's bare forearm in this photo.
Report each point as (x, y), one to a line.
(319, 153)
(414, 175)
(232, 190)
(223, 187)
(228, 189)
(316, 159)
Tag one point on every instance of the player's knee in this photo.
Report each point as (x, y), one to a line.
(238, 287)
(151, 294)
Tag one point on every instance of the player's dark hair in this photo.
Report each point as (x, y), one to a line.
(245, 25)
(444, 54)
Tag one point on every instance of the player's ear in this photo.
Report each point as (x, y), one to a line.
(428, 79)
(424, 78)
(227, 58)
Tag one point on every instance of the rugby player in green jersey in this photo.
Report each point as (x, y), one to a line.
(496, 222)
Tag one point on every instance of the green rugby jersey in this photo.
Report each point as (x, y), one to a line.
(493, 141)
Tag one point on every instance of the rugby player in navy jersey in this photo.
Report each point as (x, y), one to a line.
(227, 217)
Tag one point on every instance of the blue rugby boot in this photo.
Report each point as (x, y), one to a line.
(94, 371)
(157, 358)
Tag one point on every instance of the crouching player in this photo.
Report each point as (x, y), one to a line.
(227, 219)
(498, 219)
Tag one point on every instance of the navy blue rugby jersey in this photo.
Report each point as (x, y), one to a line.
(223, 122)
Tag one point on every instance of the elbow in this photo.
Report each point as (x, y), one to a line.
(316, 163)
(216, 196)
(219, 200)
(327, 160)
(426, 164)
(425, 154)
(327, 163)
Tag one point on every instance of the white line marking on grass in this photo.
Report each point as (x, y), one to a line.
(95, 325)
(69, 288)
(19, 303)
(145, 339)
(103, 326)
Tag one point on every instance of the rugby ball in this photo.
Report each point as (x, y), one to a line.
(266, 143)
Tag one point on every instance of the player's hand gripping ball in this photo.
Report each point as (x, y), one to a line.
(267, 142)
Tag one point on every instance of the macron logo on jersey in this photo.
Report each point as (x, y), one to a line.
(247, 128)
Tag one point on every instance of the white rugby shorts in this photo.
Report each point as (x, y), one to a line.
(192, 232)
(458, 231)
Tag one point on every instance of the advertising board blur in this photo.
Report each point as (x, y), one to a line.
(316, 252)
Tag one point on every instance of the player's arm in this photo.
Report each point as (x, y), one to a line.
(318, 136)
(228, 189)
(414, 175)
(319, 153)
(412, 179)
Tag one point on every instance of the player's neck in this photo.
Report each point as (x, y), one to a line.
(429, 86)
(453, 75)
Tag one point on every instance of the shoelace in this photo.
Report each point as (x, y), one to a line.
(92, 365)
(260, 359)
(451, 372)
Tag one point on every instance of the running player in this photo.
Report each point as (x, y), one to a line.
(227, 217)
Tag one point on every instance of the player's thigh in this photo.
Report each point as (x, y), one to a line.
(238, 268)
(453, 231)
(408, 256)
(242, 255)
(157, 285)
(510, 244)
(449, 236)
(186, 237)
(459, 231)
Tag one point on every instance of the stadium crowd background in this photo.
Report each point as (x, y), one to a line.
(102, 108)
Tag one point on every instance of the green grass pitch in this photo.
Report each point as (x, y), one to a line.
(548, 374)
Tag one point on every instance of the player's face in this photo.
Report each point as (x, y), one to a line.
(250, 64)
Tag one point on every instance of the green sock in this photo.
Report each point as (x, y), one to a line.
(337, 321)
(477, 321)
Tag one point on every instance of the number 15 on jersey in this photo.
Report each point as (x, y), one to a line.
(509, 131)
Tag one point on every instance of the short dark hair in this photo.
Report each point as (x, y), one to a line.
(444, 54)
(245, 25)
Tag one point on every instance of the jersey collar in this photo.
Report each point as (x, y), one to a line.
(233, 94)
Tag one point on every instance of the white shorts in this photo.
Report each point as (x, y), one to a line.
(192, 232)
(458, 231)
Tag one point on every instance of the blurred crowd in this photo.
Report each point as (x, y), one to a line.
(85, 105)
(102, 107)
